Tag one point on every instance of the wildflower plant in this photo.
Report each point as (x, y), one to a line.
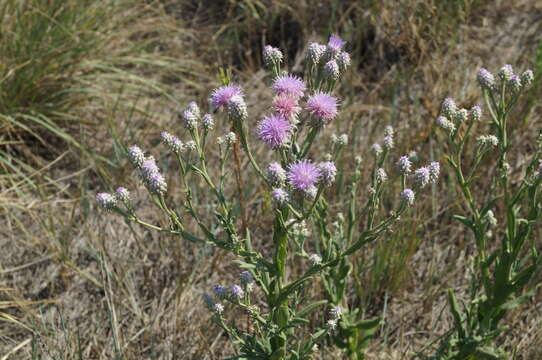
(507, 259)
(278, 303)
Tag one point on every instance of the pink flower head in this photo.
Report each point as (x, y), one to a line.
(274, 130)
(286, 106)
(322, 106)
(289, 85)
(222, 95)
(303, 174)
(334, 46)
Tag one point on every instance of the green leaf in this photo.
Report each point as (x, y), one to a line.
(464, 220)
(489, 205)
(310, 308)
(244, 265)
(456, 314)
(487, 353)
(368, 324)
(520, 300)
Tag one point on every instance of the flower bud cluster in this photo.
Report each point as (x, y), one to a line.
(212, 304)
(381, 175)
(300, 229)
(247, 281)
(407, 196)
(315, 52)
(334, 316)
(315, 259)
(339, 140)
(404, 165)
(330, 58)
(190, 116)
(515, 83)
(276, 175)
(451, 116)
(234, 293)
(237, 108)
(110, 202)
(426, 175)
(151, 177)
(207, 122)
(147, 169)
(106, 201)
(172, 142)
(328, 171)
(123, 195)
(272, 56)
(487, 141)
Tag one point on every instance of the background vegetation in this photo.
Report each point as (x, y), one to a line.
(80, 79)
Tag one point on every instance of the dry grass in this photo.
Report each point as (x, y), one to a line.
(78, 284)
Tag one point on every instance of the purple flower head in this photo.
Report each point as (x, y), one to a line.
(323, 107)
(381, 175)
(289, 85)
(246, 277)
(475, 113)
(461, 115)
(190, 120)
(506, 72)
(237, 108)
(445, 124)
(136, 156)
(209, 300)
(331, 70)
(271, 55)
(404, 165)
(434, 171)
(486, 79)
(328, 172)
(280, 196)
(334, 45)
(422, 177)
(194, 108)
(106, 200)
(527, 77)
(335, 312)
(315, 52)
(287, 106)
(449, 108)
(207, 122)
(276, 174)
(220, 291)
(310, 193)
(149, 167)
(172, 142)
(515, 83)
(343, 60)
(275, 131)
(122, 194)
(407, 196)
(388, 142)
(157, 184)
(303, 174)
(221, 96)
(376, 149)
(236, 292)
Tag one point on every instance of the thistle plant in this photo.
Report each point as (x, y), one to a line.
(502, 219)
(288, 318)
